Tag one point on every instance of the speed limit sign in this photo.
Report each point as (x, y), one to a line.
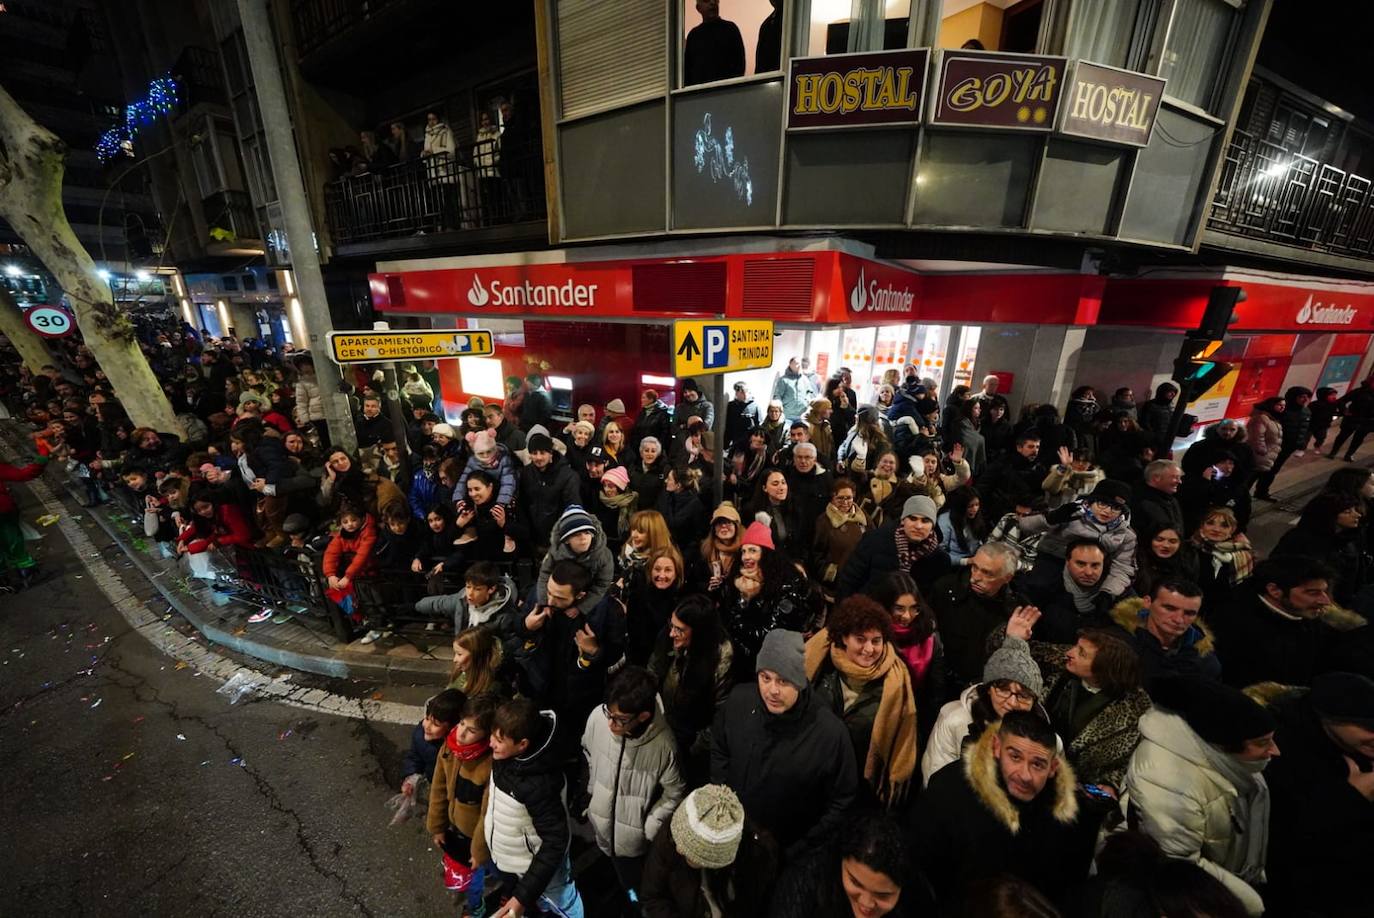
(49, 321)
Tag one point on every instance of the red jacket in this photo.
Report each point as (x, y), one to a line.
(230, 528)
(15, 473)
(359, 545)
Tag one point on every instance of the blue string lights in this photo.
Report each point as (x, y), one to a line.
(164, 93)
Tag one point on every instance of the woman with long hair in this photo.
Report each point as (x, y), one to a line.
(647, 533)
(1164, 554)
(718, 553)
(968, 436)
(1356, 482)
(476, 661)
(346, 482)
(1329, 529)
(681, 505)
(482, 523)
(917, 642)
(864, 872)
(963, 527)
(884, 397)
(763, 592)
(1225, 556)
(692, 660)
(784, 519)
(650, 594)
(613, 440)
(854, 668)
(865, 442)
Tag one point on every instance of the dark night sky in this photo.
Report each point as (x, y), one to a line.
(1325, 46)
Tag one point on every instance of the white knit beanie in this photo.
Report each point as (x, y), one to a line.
(707, 826)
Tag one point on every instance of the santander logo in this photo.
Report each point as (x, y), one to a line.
(1317, 314)
(567, 294)
(867, 295)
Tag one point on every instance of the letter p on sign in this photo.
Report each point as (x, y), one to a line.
(716, 346)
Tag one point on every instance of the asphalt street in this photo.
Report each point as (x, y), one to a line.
(133, 788)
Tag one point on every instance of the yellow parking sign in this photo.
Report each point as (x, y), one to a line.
(414, 344)
(702, 347)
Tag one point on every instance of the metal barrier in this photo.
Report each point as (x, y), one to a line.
(490, 183)
(1266, 192)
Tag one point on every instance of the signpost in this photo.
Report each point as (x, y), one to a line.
(49, 321)
(714, 347)
(702, 347)
(415, 344)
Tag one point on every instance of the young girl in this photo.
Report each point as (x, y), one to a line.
(1225, 556)
(650, 595)
(648, 532)
(1163, 555)
(617, 506)
(476, 659)
(491, 457)
(962, 525)
(436, 543)
(929, 480)
(348, 557)
(461, 775)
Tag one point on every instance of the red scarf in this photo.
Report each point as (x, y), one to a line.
(917, 655)
(465, 753)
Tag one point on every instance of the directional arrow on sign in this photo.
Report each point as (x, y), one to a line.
(689, 348)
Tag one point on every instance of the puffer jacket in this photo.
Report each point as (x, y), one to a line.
(504, 471)
(501, 614)
(1265, 435)
(525, 824)
(1118, 542)
(309, 402)
(946, 741)
(1177, 794)
(634, 783)
(1296, 419)
(597, 559)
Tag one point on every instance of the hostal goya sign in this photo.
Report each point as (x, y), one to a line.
(1111, 105)
(992, 90)
(857, 90)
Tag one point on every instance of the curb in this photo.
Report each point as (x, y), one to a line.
(339, 665)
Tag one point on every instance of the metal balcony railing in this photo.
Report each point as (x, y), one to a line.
(232, 210)
(1271, 194)
(320, 21)
(486, 184)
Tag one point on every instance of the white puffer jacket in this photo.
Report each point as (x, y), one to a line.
(309, 402)
(1176, 788)
(946, 741)
(635, 784)
(511, 836)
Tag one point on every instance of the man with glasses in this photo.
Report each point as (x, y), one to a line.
(632, 772)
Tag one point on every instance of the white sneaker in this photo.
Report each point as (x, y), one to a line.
(369, 637)
(1300, 453)
(264, 616)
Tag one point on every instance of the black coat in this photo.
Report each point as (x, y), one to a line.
(793, 772)
(811, 887)
(1007, 478)
(808, 494)
(965, 827)
(1154, 417)
(536, 409)
(372, 431)
(1321, 829)
(965, 619)
(1342, 552)
(542, 496)
(1153, 510)
(740, 418)
(535, 780)
(876, 557)
(1296, 419)
(1256, 644)
(672, 888)
(685, 514)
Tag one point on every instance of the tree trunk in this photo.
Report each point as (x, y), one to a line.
(26, 341)
(31, 169)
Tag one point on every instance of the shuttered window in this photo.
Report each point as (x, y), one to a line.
(610, 52)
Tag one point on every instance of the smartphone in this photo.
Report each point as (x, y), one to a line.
(1092, 790)
(715, 569)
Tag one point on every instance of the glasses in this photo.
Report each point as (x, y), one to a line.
(843, 498)
(725, 524)
(620, 720)
(1022, 694)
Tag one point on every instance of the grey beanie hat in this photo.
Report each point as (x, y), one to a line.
(920, 505)
(708, 825)
(1012, 661)
(783, 652)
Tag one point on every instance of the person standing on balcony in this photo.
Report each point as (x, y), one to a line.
(486, 156)
(522, 159)
(375, 154)
(714, 50)
(441, 168)
(401, 147)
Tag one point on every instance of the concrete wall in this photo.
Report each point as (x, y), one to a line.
(1309, 357)
(1112, 358)
(1042, 358)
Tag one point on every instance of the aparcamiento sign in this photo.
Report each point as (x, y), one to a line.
(417, 344)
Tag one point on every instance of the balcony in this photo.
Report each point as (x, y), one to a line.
(1269, 195)
(201, 78)
(232, 211)
(488, 185)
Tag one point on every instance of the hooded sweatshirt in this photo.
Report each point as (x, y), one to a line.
(499, 614)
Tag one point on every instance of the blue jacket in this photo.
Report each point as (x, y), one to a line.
(426, 491)
(421, 756)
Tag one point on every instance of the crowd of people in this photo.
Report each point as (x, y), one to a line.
(921, 659)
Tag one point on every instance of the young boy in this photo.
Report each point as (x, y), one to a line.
(632, 772)
(397, 541)
(460, 781)
(442, 713)
(488, 599)
(579, 537)
(525, 820)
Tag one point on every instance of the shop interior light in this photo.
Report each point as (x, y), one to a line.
(560, 382)
(482, 376)
(648, 379)
(14, 270)
(143, 276)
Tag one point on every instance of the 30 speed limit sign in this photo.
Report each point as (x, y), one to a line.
(49, 321)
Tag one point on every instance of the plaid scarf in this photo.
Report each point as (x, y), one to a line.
(909, 552)
(1238, 552)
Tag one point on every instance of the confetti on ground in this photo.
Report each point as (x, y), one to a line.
(127, 757)
(238, 762)
(48, 519)
(182, 664)
(97, 702)
(182, 737)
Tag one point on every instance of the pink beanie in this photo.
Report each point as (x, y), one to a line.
(618, 477)
(758, 534)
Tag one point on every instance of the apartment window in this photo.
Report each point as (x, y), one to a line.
(1113, 32)
(1197, 49)
(839, 26)
(610, 53)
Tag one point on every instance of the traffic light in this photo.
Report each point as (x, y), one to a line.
(1194, 369)
(1219, 314)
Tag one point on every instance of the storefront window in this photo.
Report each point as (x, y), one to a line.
(839, 26)
(932, 346)
(1196, 49)
(1102, 31)
(989, 26)
(824, 353)
(968, 353)
(724, 39)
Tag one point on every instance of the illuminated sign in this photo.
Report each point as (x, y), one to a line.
(1116, 106)
(988, 89)
(426, 344)
(857, 90)
(703, 347)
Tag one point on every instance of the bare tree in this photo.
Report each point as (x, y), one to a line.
(32, 163)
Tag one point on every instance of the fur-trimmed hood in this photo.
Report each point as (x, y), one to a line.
(1130, 615)
(980, 768)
